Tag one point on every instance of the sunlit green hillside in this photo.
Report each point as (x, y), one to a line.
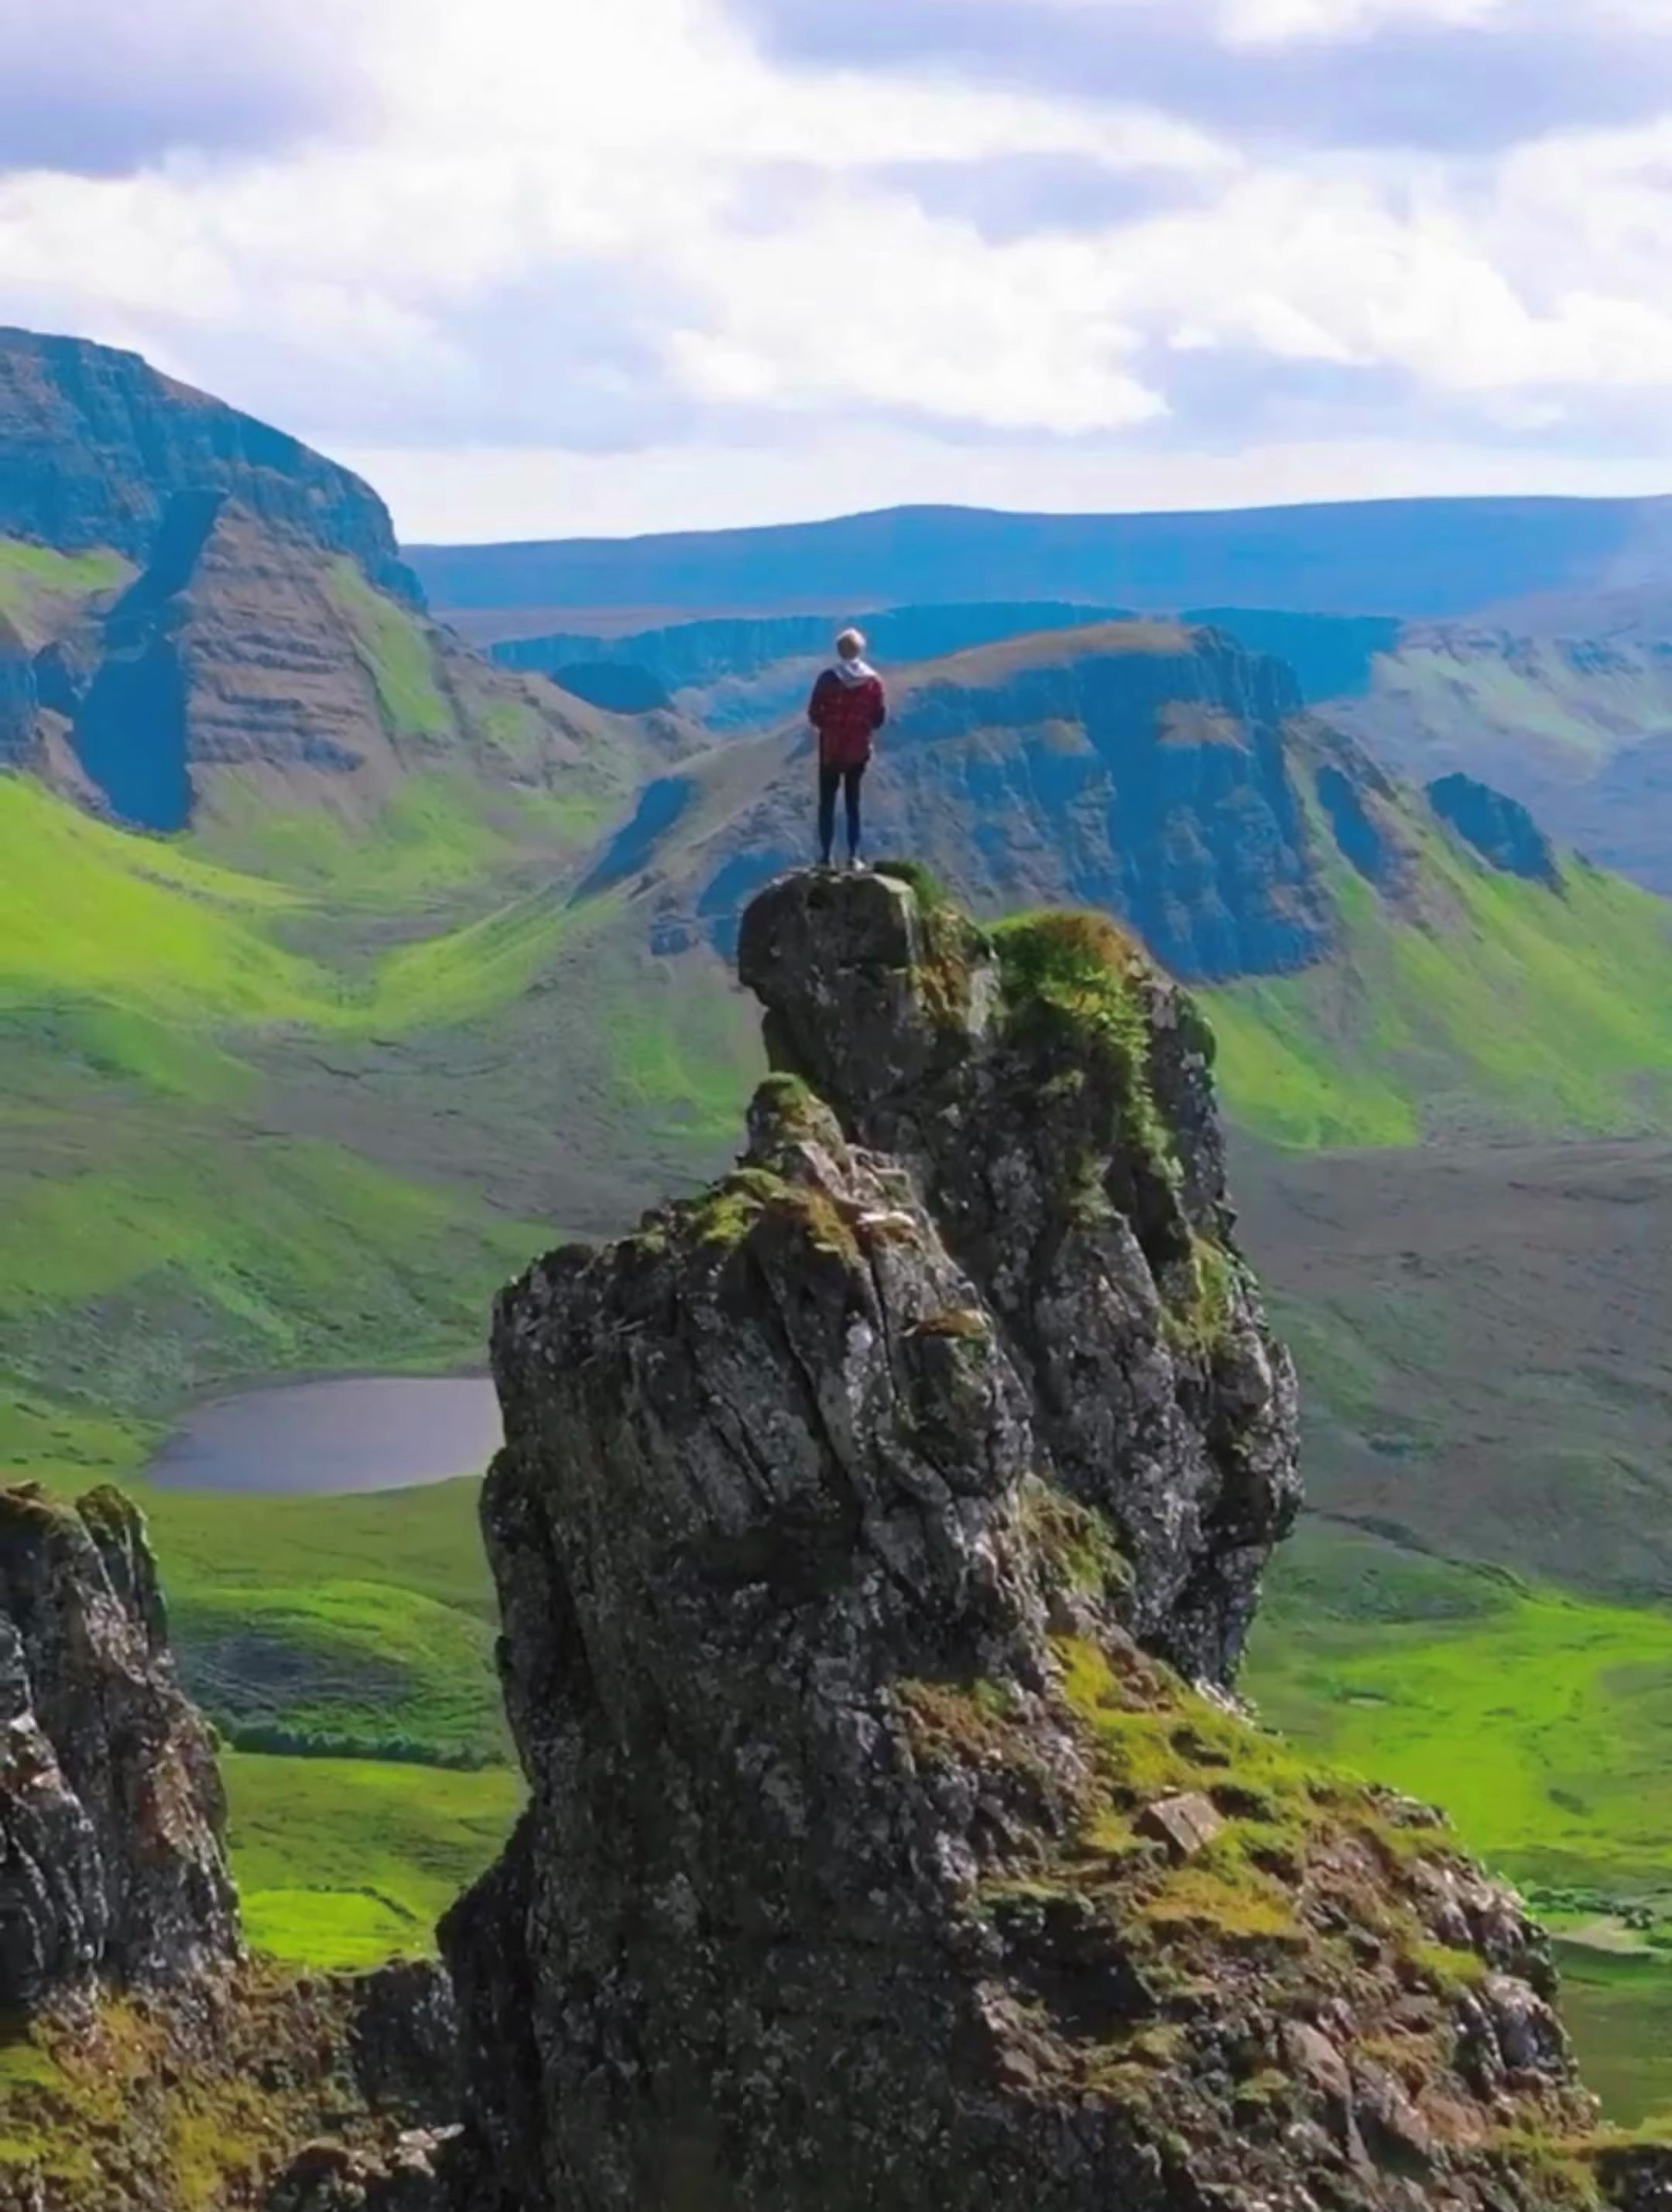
(1504, 1008)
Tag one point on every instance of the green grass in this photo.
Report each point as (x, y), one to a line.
(93, 916)
(163, 1017)
(441, 839)
(1619, 2013)
(432, 836)
(342, 1863)
(396, 647)
(226, 1551)
(1512, 1010)
(71, 1448)
(449, 978)
(1541, 1722)
(56, 1052)
(679, 1059)
(89, 912)
(361, 1669)
(1074, 973)
(39, 587)
(137, 1272)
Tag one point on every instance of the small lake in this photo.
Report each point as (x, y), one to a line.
(363, 1432)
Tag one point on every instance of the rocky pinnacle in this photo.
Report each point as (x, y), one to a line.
(875, 1535)
(113, 1868)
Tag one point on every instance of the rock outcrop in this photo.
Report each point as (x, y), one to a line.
(850, 1521)
(1500, 830)
(111, 1814)
(411, 2176)
(146, 2062)
(98, 444)
(1048, 1094)
(19, 700)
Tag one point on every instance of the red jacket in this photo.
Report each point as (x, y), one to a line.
(847, 716)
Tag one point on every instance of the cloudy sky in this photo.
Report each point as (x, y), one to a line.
(543, 267)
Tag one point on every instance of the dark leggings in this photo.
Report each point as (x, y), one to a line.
(847, 780)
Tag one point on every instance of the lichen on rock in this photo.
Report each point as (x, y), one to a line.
(875, 1537)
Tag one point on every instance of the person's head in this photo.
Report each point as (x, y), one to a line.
(851, 644)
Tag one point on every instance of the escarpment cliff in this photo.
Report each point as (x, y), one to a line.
(203, 622)
(1163, 774)
(859, 1526)
(247, 669)
(98, 444)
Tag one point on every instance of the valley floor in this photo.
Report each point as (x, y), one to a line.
(1479, 1605)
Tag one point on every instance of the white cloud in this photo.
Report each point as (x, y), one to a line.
(626, 232)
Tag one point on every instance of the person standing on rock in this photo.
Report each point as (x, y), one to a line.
(848, 708)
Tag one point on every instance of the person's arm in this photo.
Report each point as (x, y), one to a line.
(820, 700)
(879, 709)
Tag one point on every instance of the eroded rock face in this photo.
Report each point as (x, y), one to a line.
(98, 444)
(844, 1517)
(111, 1813)
(19, 701)
(1079, 1173)
(1498, 827)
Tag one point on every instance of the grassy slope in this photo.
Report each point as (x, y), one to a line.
(166, 1225)
(1540, 696)
(40, 590)
(1481, 1332)
(1521, 1011)
(341, 1863)
(1538, 1719)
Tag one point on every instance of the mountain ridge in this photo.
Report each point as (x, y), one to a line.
(97, 442)
(1412, 558)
